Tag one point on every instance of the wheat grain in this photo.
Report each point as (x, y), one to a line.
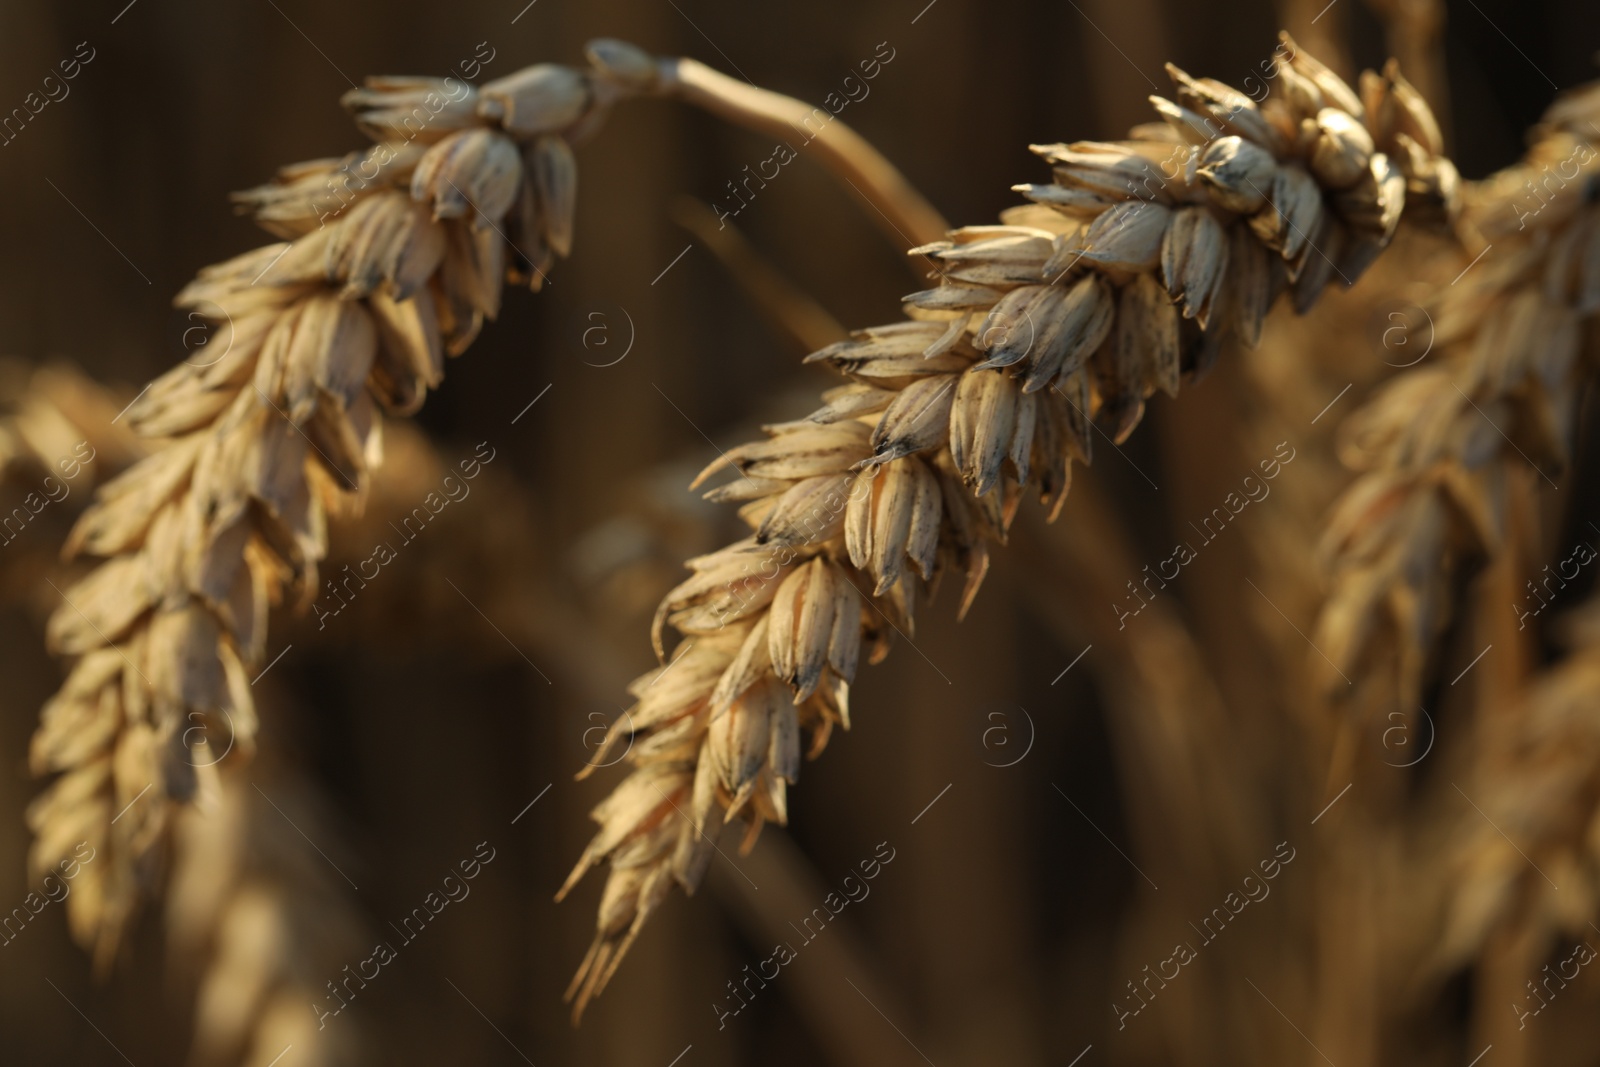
(1120, 278)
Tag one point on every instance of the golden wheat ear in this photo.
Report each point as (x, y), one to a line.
(393, 257)
(1120, 278)
(1456, 454)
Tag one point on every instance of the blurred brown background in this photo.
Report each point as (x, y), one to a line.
(994, 935)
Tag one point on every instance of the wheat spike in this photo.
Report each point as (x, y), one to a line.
(54, 409)
(1437, 443)
(1121, 278)
(392, 258)
(57, 439)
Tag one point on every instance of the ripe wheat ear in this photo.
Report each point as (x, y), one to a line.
(393, 257)
(1121, 278)
(1538, 770)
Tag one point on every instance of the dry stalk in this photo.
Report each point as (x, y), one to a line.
(791, 309)
(1358, 953)
(392, 258)
(1438, 443)
(844, 1029)
(901, 209)
(1120, 279)
(1194, 818)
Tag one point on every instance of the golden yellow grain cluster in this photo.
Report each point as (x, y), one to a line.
(392, 258)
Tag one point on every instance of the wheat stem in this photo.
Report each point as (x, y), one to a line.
(790, 308)
(907, 217)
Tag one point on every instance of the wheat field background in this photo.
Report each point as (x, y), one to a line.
(1046, 800)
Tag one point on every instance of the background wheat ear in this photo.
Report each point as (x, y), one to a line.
(262, 925)
(58, 439)
(1444, 446)
(1121, 278)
